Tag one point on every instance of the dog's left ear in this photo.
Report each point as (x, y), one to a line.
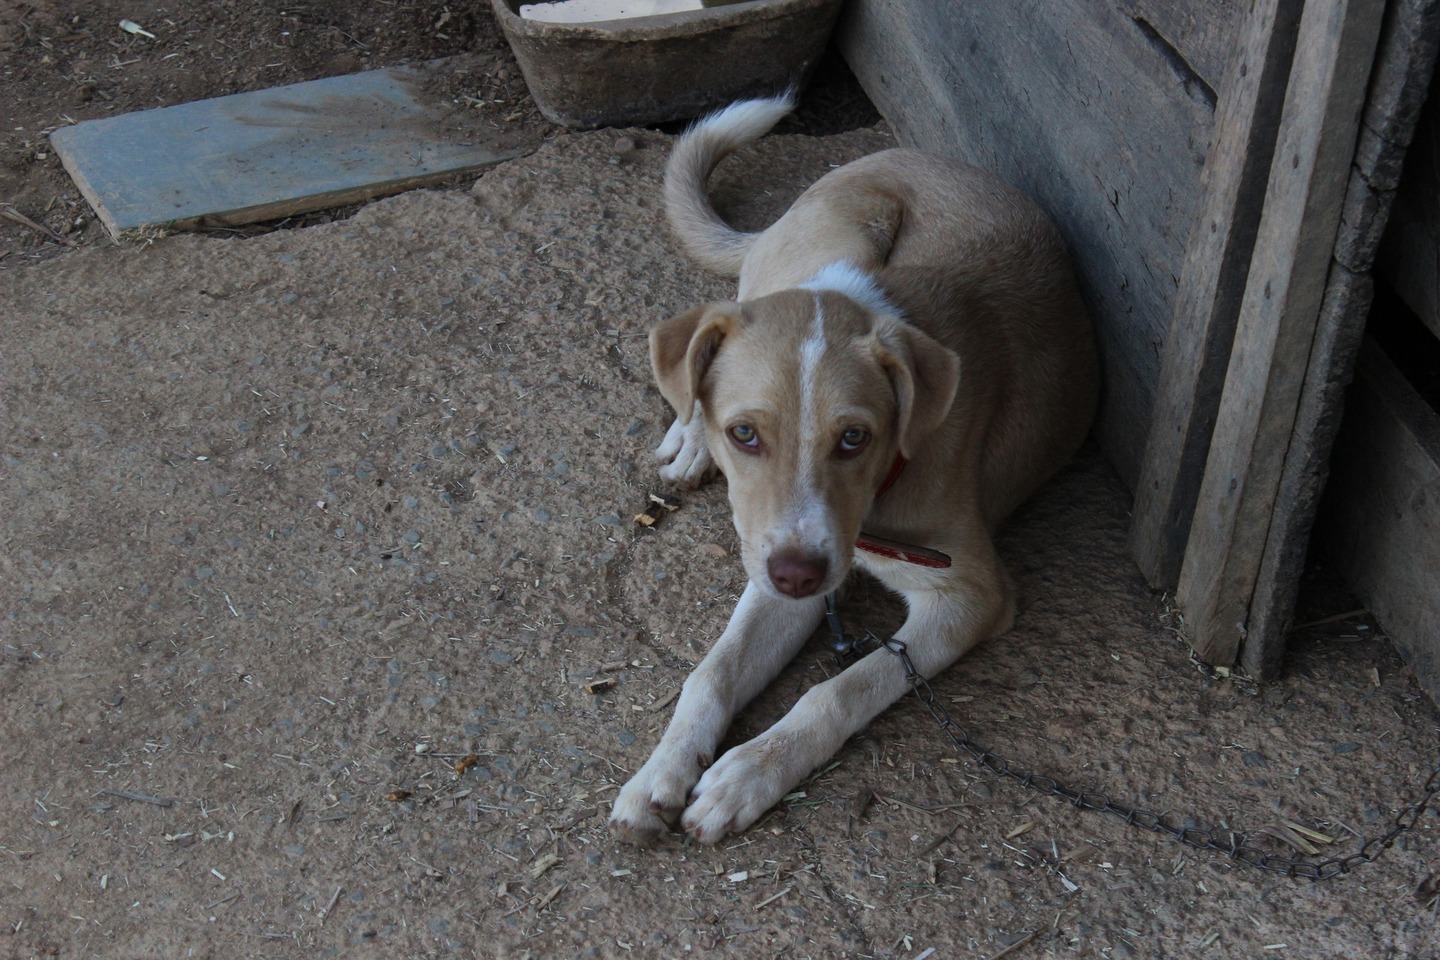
(682, 348)
(925, 375)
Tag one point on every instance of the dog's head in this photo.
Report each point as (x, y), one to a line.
(808, 396)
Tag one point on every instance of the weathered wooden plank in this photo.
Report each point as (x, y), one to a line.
(1381, 517)
(1399, 88)
(1076, 104)
(271, 153)
(1409, 42)
(1303, 476)
(1202, 35)
(1212, 284)
(1277, 326)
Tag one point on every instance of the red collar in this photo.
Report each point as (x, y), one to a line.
(921, 556)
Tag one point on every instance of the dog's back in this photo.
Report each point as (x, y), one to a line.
(979, 267)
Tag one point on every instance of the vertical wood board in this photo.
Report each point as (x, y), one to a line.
(1212, 285)
(1405, 62)
(1257, 416)
(1304, 472)
(1080, 107)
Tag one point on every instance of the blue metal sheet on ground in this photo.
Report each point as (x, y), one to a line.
(269, 154)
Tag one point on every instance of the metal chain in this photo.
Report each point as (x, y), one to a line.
(847, 649)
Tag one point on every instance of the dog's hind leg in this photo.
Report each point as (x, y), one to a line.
(763, 635)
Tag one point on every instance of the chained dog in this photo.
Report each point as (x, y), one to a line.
(907, 359)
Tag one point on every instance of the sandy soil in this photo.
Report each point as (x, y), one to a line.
(317, 542)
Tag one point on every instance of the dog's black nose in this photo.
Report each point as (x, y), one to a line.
(797, 574)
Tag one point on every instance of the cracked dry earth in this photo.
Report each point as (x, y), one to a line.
(327, 633)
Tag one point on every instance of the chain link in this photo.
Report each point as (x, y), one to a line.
(1236, 847)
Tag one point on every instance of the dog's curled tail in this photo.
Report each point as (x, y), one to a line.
(708, 239)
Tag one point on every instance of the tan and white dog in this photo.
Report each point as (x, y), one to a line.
(909, 328)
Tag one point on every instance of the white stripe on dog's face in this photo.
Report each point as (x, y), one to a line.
(811, 353)
(809, 522)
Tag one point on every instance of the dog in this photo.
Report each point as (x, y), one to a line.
(908, 359)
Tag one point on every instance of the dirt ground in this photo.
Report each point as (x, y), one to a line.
(318, 559)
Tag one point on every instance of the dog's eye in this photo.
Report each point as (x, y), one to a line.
(744, 435)
(852, 441)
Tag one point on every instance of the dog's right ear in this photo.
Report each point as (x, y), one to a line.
(925, 375)
(682, 348)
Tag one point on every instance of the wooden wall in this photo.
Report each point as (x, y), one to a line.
(1100, 109)
(1223, 172)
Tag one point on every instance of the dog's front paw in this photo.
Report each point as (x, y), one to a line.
(651, 802)
(739, 788)
(683, 455)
